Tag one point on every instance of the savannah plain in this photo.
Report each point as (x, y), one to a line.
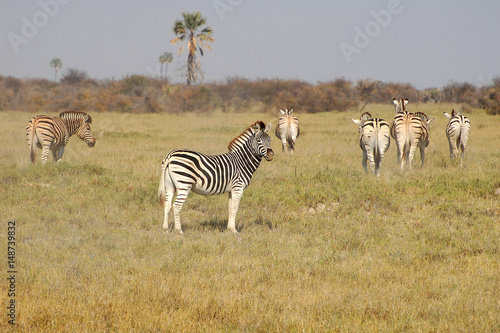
(323, 247)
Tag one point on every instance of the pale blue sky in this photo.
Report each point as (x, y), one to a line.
(427, 43)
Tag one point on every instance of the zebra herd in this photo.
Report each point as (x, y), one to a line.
(183, 171)
(410, 131)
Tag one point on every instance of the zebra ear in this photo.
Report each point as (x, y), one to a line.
(282, 112)
(357, 121)
(406, 101)
(88, 119)
(268, 128)
(395, 101)
(429, 121)
(447, 115)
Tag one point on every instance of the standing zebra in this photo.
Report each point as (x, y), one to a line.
(409, 131)
(457, 131)
(52, 133)
(287, 130)
(374, 140)
(185, 170)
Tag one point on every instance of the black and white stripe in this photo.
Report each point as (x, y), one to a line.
(288, 130)
(457, 131)
(53, 133)
(374, 140)
(410, 131)
(184, 171)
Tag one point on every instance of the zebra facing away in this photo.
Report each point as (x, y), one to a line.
(374, 140)
(410, 131)
(457, 131)
(287, 130)
(184, 170)
(53, 133)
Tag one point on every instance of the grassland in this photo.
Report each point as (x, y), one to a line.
(322, 245)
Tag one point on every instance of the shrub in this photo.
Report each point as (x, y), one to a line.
(74, 76)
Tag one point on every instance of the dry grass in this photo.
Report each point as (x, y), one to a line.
(323, 246)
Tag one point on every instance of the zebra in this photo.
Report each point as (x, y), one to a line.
(52, 133)
(457, 131)
(410, 131)
(374, 140)
(185, 170)
(287, 130)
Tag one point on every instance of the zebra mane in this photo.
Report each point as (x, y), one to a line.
(366, 116)
(76, 115)
(422, 116)
(248, 133)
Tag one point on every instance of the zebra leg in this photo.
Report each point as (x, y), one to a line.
(45, 154)
(60, 153)
(369, 153)
(413, 148)
(422, 155)
(182, 194)
(169, 195)
(451, 148)
(407, 157)
(364, 161)
(234, 203)
(403, 155)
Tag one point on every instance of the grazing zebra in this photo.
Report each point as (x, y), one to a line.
(52, 133)
(185, 170)
(457, 131)
(287, 130)
(374, 140)
(409, 131)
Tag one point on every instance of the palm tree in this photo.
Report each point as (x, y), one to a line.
(57, 64)
(186, 31)
(167, 58)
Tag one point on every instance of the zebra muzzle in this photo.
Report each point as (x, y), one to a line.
(91, 143)
(269, 155)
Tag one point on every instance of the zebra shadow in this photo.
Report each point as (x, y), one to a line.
(221, 225)
(216, 224)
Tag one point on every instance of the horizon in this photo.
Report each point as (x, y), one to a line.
(425, 44)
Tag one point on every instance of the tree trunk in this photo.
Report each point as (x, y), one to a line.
(191, 76)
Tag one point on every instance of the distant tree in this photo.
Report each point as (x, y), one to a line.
(367, 92)
(56, 63)
(186, 30)
(491, 97)
(167, 58)
(73, 76)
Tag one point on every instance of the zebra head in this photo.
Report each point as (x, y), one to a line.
(262, 142)
(400, 105)
(453, 114)
(84, 132)
(364, 117)
(424, 118)
(79, 123)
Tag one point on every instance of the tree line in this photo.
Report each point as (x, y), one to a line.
(143, 94)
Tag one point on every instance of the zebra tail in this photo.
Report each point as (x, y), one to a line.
(161, 187)
(377, 156)
(290, 142)
(31, 142)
